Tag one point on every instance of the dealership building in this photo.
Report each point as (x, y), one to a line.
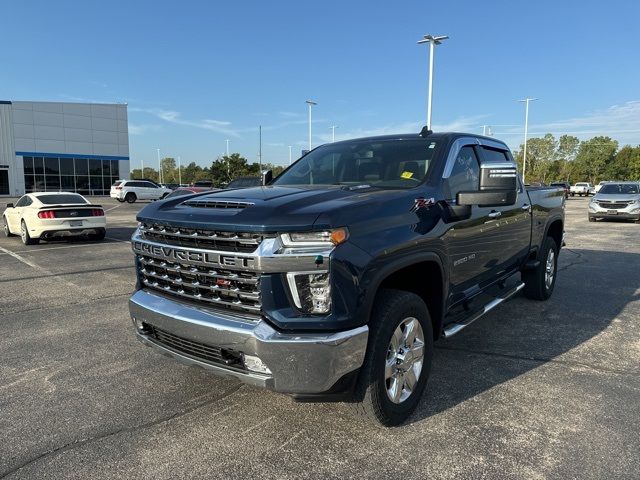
(60, 146)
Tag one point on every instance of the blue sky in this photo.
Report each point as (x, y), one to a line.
(195, 73)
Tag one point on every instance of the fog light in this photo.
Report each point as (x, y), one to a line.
(311, 291)
(139, 324)
(255, 364)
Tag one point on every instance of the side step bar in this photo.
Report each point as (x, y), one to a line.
(454, 328)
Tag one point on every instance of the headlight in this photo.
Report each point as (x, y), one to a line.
(311, 291)
(327, 238)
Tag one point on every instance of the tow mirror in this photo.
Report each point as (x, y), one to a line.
(498, 186)
(9, 205)
(267, 176)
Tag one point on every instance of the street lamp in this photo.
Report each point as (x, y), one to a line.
(526, 127)
(333, 133)
(159, 167)
(179, 171)
(227, 157)
(289, 154)
(432, 41)
(310, 103)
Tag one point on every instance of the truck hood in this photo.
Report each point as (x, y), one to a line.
(270, 208)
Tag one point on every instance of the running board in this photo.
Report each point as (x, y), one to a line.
(454, 328)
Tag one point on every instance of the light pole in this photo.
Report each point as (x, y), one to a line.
(260, 149)
(228, 158)
(432, 41)
(526, 127)
(486, 130)
(227, 147)
(142, 171)
(179, 171)
(289, 154)
(333, 133)
(159, 167)
(310, 103)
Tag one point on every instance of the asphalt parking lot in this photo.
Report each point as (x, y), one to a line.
(533, 390)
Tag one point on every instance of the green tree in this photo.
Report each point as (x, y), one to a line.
(626, 164)
(540, 156)
(594, 156)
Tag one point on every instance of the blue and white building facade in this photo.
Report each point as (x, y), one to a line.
(60, 146)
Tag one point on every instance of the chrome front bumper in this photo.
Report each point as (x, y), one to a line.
(299, 363)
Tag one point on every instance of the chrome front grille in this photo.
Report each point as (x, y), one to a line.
(241, 242)
(225, 288)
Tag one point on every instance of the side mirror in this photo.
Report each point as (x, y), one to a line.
(267, 176)
(9, 205)
(498, 186)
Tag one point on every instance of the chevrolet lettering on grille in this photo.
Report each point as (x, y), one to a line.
(189, 256)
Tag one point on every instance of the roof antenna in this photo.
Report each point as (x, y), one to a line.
(425, 132)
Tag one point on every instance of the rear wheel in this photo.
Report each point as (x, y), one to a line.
(24, 235)
(120, 200)
(398, 359)
(592, 219)
(130, 197)
(5, 227)
(539, 283)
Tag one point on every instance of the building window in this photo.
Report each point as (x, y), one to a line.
(92, 176)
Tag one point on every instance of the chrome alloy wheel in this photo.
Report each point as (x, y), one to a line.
(405, 356)
(550, 269)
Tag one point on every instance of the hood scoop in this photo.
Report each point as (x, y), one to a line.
(219, 204)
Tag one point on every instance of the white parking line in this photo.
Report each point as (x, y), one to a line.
(18, 257)
(36, 250)
(112, 208)
(118, 240)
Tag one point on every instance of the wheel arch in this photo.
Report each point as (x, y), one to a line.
(423, 275)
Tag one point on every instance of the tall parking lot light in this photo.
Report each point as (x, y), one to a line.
(290, 154)
(310, 103)
(526, 127)
(159, 167)
(432, 41)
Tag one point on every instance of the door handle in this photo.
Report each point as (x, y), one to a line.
(526, 207)
(495, 214)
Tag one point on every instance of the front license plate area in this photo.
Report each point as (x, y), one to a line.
(612, 212)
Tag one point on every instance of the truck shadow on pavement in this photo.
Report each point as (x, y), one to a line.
(592, 289)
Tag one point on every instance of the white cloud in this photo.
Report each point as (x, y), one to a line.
(140, 129)
(171, 116)
(621, 122)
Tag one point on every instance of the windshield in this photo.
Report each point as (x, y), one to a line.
(59, 198)
(620, 189)
(378, 163)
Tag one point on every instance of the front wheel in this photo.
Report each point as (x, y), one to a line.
(24, 235)
(130, 197)
(398, 359)
(539, 282)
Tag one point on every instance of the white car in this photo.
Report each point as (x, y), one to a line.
(582, 188)
(131, 190)
(45, 215)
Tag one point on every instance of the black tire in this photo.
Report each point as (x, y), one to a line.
(120, 200)
(164, 196)
(130, 197)
(592, 219)
(392, 308)
(536, 286)
(5, 227)
(24, 235)
(573, 194)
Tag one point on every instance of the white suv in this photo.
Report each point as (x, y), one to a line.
(132, 190)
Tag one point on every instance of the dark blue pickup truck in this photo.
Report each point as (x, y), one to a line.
(332, 281)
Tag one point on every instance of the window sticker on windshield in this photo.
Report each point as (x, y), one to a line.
(406, 174)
